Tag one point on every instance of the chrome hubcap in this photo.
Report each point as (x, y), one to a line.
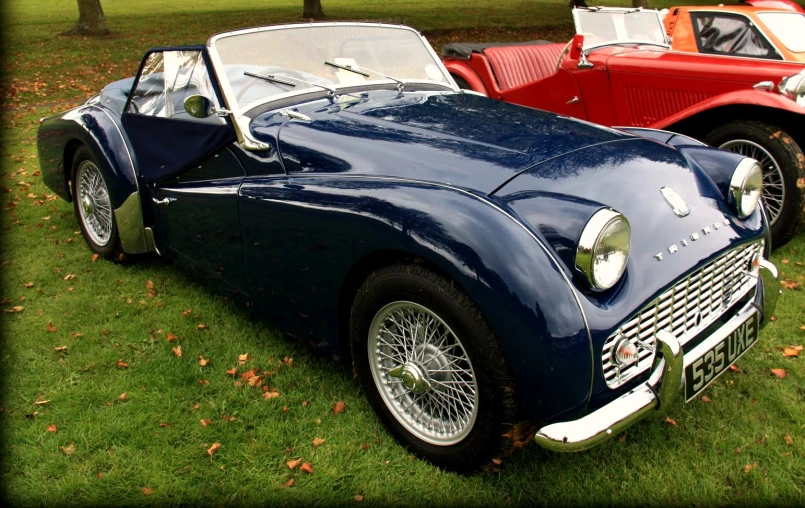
(94, 208)
(423, 373)
(773, 188)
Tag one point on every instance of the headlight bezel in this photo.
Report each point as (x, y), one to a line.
(597, 229)
(748, 173)
(793, 87)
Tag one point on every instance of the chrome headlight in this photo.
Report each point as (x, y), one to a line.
(793, 87)
(604, 248)
(746, 186)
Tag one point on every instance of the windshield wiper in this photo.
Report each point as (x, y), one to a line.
(282, 80)
(356, 69)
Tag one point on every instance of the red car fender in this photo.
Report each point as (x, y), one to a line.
(464, 70)
(738, 97)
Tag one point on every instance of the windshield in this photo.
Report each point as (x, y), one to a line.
(789, 27)
(603, 26)
(264, 64)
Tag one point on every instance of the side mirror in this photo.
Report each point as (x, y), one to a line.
(199, 106)
(576, 46)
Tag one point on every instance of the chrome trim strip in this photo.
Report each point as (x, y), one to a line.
(129, 220)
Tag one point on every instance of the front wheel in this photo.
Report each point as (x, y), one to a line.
(93, 206)
(431, 367)
(783, 165)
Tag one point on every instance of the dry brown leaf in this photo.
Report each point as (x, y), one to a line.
(705, 398)
(204, 422)
(287, 361)
(271, 395)
(69, 449)
(248, 374)
(306, 467)
(195, 407)
(29, 284)
(70, 276)
(670, 421)
(305, 403)
(798, 348)
(177, 351)
(165, 424)
(122, 365)
(41, 402)
(790, 351)
(16, 308)
(203, 361)
(780, 373)
(232, 372)
(202, 326)
(171, 337)
(213, 448)
(95, 257)
(51, 328)
(290, 482)
(497, 462)
(60, 349)
(202, 381)
(789, 284)
(318, 442)
(293, 463)
(123, 396)
(243, 358)
(784, 261)
(734, 368)
(788, 440)
(255, 381)
(187, 312)
(358, 498)
(338, 407)
(146, 490)
(52, 428)
(737, 450)
(749, 467)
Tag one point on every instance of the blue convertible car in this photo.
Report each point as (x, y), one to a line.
(480, 263)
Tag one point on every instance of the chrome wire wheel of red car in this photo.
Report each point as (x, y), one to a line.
(431, 367)
(423, 373)
(782, 161)
(773, 188)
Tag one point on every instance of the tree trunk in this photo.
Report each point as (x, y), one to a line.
(313, 9)
(91, 19)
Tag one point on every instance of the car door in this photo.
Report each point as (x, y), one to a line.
(188, 165)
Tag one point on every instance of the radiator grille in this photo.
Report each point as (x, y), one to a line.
(685, 309)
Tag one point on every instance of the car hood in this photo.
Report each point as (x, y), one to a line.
(458, 139)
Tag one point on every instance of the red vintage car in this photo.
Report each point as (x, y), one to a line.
(619, 70)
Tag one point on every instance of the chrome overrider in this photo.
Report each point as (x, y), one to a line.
(665, 382)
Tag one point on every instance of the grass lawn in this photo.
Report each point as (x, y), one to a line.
(97, 408)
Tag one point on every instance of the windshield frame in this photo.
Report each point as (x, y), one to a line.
(239, 112)
(588, 49)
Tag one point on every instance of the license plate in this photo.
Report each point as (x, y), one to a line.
(711, 364)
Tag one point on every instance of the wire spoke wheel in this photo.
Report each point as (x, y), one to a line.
(773, 187)
(94, 205)
(423, 373)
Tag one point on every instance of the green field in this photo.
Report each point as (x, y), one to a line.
(745, 444)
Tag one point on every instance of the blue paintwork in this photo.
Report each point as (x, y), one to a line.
(490, 194)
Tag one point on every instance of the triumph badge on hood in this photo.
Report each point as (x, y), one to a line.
(675, 200)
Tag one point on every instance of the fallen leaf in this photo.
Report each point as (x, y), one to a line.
(187, 312)
(255, 381)
(32, 415)
(791, 351)
(338, 407)
(290, 482)
(737, 450)
(195, 407)
(29, 284)
(243, 358)
(146, 490)
(305, 403)
(789, 284)
(780, 373)
(705, 398)
(306, 467)
(41, 402)
(749, 467)
(205, 422)
(122, 365)
(16, 308)
(203, 361)
(51, 328)
(171, 337)
(288, 361)
(177, 351)
(358, 498)
(202, 326)
(202, 381)
(52, 428)
(788, 440)
(123, 396)
(60, 349)
(734, 368)
(784, 261)
(271, 395)
(670, 421)
(318, 442)
(165, 424)
(248, 374)
(497, 462)
(95, 257)
(293, 463)
(213, 448)
(69, 449)
(232, 372)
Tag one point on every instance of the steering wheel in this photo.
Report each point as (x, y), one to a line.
(564, 52)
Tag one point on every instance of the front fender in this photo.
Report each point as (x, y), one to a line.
(304, 234)
(760, 98)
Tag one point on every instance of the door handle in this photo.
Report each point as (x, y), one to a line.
(574, 100)
(165, 201)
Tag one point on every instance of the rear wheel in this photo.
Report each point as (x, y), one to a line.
(783, 165)
(93, 206)
(431, 367)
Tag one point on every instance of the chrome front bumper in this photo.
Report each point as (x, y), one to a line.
(664, 384)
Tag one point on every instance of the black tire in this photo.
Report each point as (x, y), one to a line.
(496, 403)
(788, 157)
(107, 246)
